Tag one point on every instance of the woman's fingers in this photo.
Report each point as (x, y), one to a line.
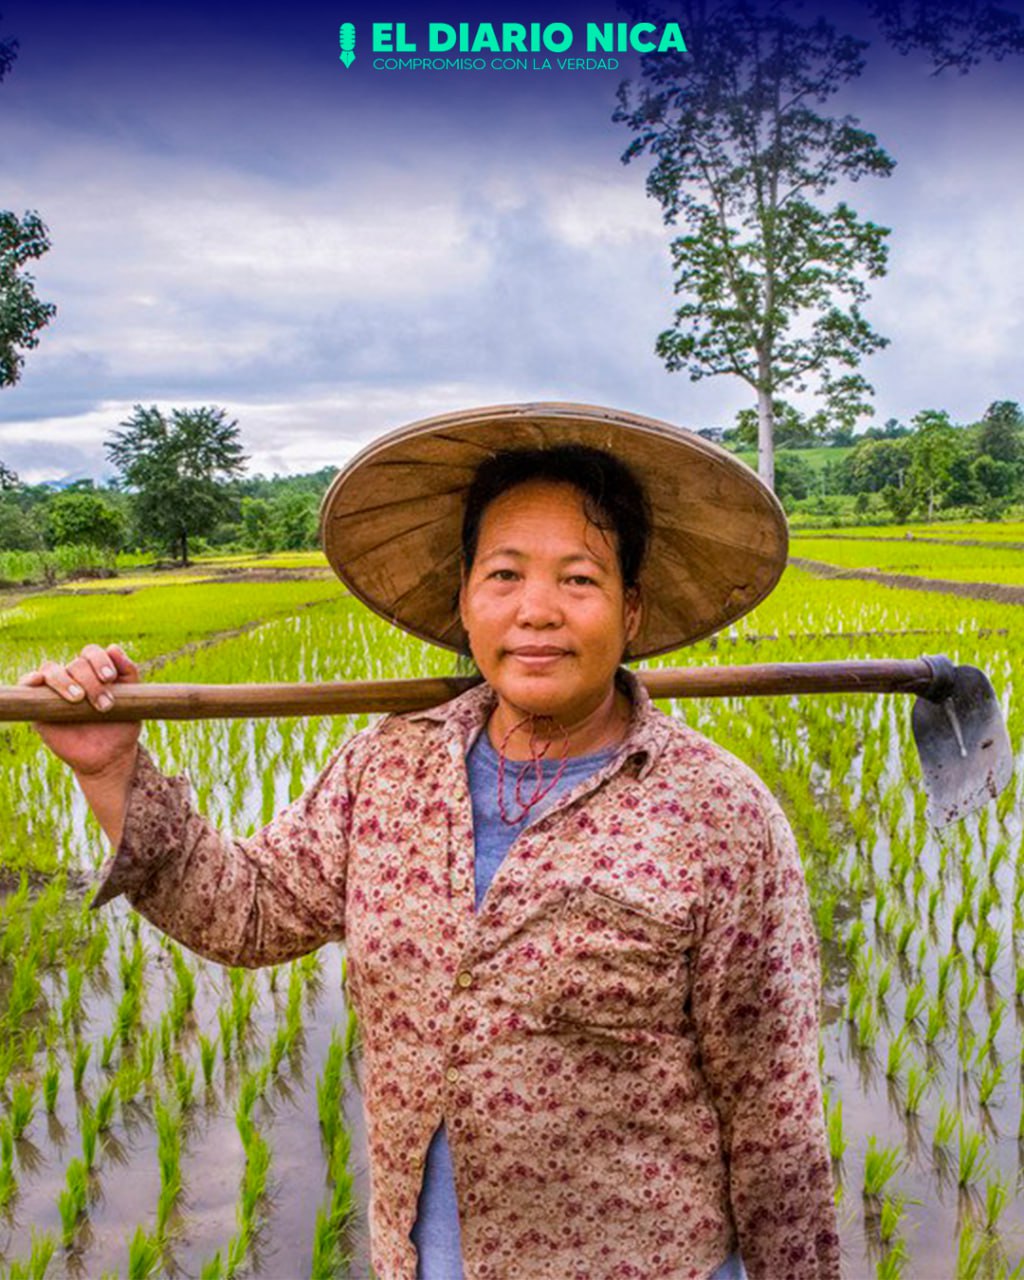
(91, 675)
(126, 669)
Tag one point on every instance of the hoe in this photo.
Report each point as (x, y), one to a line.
(961, 737)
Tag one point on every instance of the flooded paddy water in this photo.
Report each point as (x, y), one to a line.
(160, 1115)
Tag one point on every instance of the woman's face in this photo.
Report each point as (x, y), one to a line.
(544, 604)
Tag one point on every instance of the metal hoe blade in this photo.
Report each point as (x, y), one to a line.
(962, 741)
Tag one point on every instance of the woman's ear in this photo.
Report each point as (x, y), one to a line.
(634, 614)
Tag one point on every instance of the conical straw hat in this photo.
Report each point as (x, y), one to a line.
(391, 522)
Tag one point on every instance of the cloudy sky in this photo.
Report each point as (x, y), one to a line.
(239, 220)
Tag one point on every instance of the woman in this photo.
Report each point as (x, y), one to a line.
(577, 932)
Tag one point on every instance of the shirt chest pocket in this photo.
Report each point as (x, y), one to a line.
(616, 965)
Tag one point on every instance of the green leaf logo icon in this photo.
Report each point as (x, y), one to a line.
(347, 41)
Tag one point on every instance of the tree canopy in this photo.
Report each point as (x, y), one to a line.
(772, 276)
(177, 468)
(22, 240)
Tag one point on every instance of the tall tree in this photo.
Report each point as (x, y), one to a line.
(22, 239)
(22, 315)
(772, 276)
(8, 478)
(954, 34)
(934, 447)
(177, 469)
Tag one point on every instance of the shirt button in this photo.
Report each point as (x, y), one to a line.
(452, 1075)
(465, 979)
(458, 881)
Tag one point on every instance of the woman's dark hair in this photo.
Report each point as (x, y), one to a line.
(613, 499)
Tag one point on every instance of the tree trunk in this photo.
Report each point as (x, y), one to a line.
(765, 439)
(184, 548)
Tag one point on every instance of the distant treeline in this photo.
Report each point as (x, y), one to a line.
(927, 469)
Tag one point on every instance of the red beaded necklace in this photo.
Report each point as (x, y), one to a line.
(533, 767)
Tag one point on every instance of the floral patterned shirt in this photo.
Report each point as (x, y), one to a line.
(622, 1042)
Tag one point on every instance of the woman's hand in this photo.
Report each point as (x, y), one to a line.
(92, 750)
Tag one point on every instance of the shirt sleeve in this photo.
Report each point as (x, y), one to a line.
(756, 1001)
(254, 901)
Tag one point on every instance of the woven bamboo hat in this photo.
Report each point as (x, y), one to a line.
(391, 522)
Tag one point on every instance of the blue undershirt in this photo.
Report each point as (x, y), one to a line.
(436, 1233)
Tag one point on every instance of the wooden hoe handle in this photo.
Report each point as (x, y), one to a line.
(928, 677)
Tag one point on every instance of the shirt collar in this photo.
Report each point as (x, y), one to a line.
(464, 717)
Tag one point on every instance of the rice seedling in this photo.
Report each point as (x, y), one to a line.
(145, 1256)
(8, 1181)
(23, 1107)
(184, 1084)
(972, 1158)
(918, 1083)
(917, 996)
(893, 1263)
(880, 1166)
(896, 1057)
(80, 1061)
(104, 1110)
(73, 1200)
(207, 1058)
(90, 1132)
(991, 1078)
(38, 1263)
(973, 1253)
(997, 1194)
(51, 1085)
(946, 1125)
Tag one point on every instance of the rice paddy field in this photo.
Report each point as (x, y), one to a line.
(162, 1116)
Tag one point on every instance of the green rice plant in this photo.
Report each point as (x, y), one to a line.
(884, 982)
(108, 1046)
(936, 1022)
(254, 1180)
(227, 1030)
(891, 1216)
(351, 1032)
(896, 1057)
(145, 1256)
(945, 1125)
(6, 1141)
(917, 996)
(185, 992)
(238, 1248)
(918, 1083)
(90, 1132)
(968, 992)
(991, 1078)
(51, 1085)
(837, 1142)
(945, 973)
(80, 1061)
(43, 1248)
(213, 1268)
(184, 1084)
(934, 902)
(990, 946)
(854, 938)
(961, 912)
(973, 1253)
(207, 1058)
(892, 1264)
(72, 1200)
(327, 1261)
(903, 937)
(105, 1106)
(880, 1166)
(8, 1182)
(128, 1081)
(23, 1107)
(972, 1158)
(279, 1048)
(71, 1006)
(997, 1194)
(995, 1022)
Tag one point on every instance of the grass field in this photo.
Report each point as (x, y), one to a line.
(160, 1115)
